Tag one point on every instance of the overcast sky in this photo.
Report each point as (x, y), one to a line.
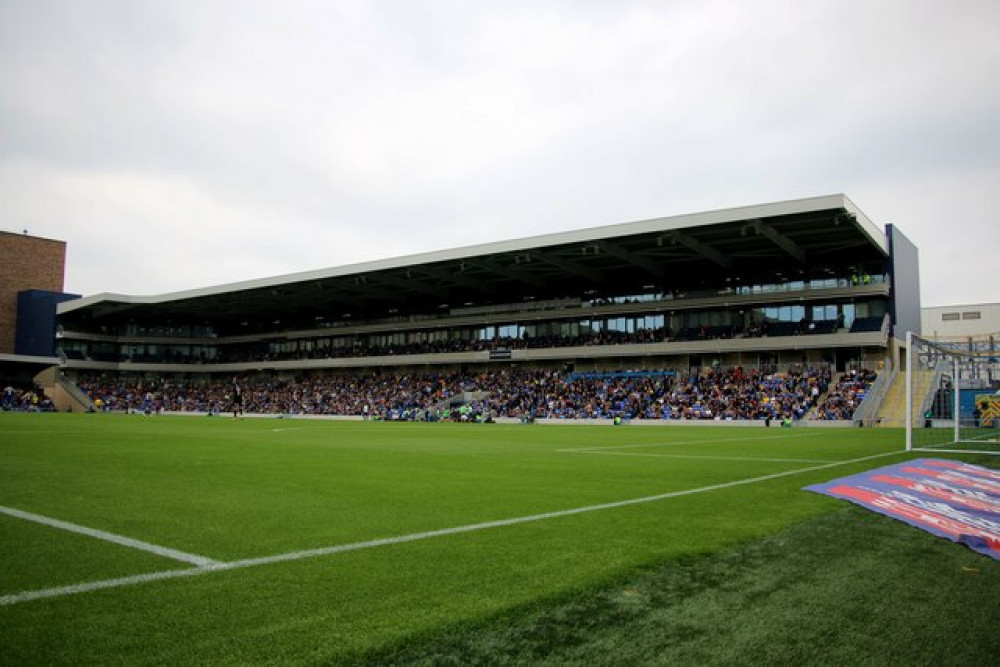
(176, 145)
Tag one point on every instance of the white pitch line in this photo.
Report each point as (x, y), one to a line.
(193, 559)
(713, 458)
(27, 596)
(677, 443)
(34, 432)
(401, 539)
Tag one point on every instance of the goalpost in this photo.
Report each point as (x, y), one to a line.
(952, 399)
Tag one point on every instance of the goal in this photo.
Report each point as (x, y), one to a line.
(952, 398)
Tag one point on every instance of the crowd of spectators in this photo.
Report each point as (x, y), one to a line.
(708, 394)
(24, 399)
(265, 394)
(737, 393)
(845, 397)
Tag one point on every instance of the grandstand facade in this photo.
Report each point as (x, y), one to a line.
(806, 281)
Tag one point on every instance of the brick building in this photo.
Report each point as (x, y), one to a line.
(31, 269)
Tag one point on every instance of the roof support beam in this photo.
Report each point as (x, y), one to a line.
(360, 284)
(780, 240)
(568, 266)
(699, 248)
(412, 284)
(635, 260)
(455, 277)
(503, 271)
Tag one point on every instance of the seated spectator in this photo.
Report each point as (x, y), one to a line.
(712, 394)
(846, 396)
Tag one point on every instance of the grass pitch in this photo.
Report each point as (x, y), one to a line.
(335, 542)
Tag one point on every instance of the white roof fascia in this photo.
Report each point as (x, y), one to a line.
(664, 224)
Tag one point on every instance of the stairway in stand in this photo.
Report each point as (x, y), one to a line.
(893, 412)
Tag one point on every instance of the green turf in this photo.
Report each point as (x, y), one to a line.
(972, 439)
(844, 588)
(232, 490)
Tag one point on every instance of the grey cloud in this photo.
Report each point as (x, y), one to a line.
(296, 135)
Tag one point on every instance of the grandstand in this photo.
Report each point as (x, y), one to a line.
(794, 286)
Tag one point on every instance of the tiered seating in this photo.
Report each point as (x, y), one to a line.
(847, 395)
(713, 394)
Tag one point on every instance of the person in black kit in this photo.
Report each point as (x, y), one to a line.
(237, 401)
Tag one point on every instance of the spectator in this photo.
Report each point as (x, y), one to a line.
(713, 394)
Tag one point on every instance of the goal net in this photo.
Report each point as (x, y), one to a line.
(952, 397)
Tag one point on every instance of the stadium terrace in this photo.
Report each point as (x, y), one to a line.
(782, 287)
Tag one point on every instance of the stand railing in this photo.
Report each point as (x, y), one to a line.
(867, 413)
(73, 390)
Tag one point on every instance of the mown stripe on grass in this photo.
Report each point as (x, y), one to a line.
(401, 539)
(166, 552)
(676, 443)
(705, 456)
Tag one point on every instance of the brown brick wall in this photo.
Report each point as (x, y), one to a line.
(26, 262)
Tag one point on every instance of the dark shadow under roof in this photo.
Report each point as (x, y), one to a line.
(801, 238)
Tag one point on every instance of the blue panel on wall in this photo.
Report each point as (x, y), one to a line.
(35, 335)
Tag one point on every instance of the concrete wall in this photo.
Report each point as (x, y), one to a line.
(961, 321)
(666, 423)
(718, 423)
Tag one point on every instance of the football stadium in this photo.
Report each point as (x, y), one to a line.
(651, 442)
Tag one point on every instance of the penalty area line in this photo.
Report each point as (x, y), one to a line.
(402, 539)
(121, 540)
(27, 596)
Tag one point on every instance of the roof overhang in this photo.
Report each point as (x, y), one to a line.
(25, 366)
(656, 251)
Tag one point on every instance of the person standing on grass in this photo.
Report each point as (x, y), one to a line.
(237, 401)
